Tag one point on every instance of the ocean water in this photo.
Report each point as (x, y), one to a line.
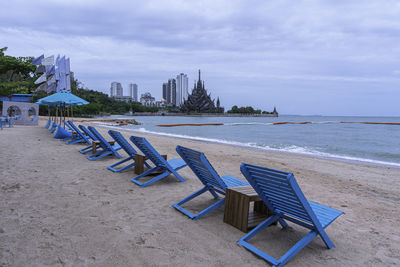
(324, 137)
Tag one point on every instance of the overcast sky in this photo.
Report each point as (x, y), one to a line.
(304, 57)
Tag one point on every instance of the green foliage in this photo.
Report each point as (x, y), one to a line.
(266, 112)
(102, 103)
(16, 74)
(245, 110)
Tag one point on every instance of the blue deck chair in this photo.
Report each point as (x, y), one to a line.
(53, 127)
(166, 167)
(80, 137)
(68, 126)
(2, 118)
(106, 148)
(48, 124)
(213, 183)
(7, 120)
(62, 134)
(117, 136)
(69, 132)
(91, 136)
(285, 200)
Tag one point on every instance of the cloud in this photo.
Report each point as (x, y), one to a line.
(243, 47)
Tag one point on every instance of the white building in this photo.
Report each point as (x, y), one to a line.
(123, 98)
(147, 100)
(133, 91)
(182, 84)
(116, 89)
(162, 103)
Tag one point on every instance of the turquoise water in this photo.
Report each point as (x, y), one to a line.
(324, 137)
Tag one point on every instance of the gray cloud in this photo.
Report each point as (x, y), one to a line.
(305, 57)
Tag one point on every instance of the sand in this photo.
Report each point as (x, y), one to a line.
(58, 208)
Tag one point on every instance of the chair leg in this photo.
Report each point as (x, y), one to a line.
(177, 205)
(326, 239)
(147, 165)
(282, 223)
(96, 154)
(297, 247)
(99, 155)
(260, 227)
(127, 167)
(213, 193)
(177, 175)
(75, 141)
(201, 213)
(136, 179)
(209, 209)
(270, 220)
(288, 255)
(114, 151)
(155, 179)
(66, 139)
(87, 141)
(112, 167)
(85, 150)
(191, 196)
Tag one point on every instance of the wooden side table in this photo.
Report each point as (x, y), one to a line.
(95, 143)
(237, 208)
(73, 134)
(139, 162)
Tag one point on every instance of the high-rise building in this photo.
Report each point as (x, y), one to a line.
(182, 84)
(133, 91)
(164, 91)
(116, 89)
(172, 91)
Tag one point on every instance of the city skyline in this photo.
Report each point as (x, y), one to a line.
(307, 57)
(174, 91)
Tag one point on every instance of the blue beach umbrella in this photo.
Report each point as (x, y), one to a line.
(63, 97)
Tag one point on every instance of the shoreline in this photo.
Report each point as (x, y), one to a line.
(201, 114)
(360, 161)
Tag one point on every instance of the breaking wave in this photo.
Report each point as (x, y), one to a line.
(288, 149)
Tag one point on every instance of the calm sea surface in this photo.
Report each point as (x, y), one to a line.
(324, 137)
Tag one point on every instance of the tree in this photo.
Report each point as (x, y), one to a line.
(16, 74)
(244, 110)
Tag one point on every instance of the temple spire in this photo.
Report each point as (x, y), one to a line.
(199, 75)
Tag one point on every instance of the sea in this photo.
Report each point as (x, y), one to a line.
(341, 138)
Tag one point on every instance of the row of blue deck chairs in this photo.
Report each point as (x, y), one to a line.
(278, 189)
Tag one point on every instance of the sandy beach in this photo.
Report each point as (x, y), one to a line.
(57, 208)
